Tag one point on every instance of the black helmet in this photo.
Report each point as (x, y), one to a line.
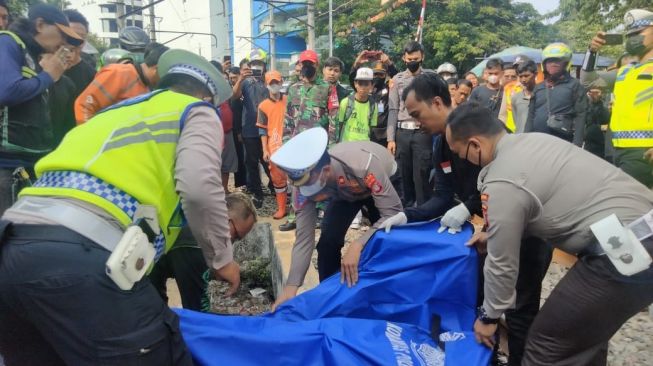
(133, 39)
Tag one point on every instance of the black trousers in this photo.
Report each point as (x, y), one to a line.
(534, 259)
(58, 307)
(337, 218)
(240, 177)
(414, 150)
(185, 263)
(254, 156)
(9, 187)
(585, 309)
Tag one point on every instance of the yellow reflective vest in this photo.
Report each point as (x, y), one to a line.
(122, 158)
(632, 111)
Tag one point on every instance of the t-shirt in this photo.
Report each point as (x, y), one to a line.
(489, 98)
(270, 121)
(357, 126)
(254, 92)
(81, 74)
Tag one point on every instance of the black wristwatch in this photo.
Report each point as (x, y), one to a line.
(484, 318)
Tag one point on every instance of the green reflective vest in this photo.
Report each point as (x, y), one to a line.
(632, 111)
(121, 158)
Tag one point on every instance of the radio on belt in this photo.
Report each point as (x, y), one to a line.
(623, 245)
(135, 252)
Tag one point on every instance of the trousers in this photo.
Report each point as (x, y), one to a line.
(338, 216)
(414, 150)
(589, 305)
(58, 307)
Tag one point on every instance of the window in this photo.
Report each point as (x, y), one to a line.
(139, 23)
(109, 25)
(111, 8)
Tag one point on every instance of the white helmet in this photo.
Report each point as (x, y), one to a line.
(447, 68)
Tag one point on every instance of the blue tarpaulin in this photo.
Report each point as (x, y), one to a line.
(406, 278)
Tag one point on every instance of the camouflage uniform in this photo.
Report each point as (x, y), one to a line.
(307, 108)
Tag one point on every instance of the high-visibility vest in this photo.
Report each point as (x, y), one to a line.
(632, 111)
(509, 90)
(122, 158)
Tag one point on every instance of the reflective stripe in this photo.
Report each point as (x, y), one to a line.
(143, 137)
(128, 87)
(165, 125)
(645, 91)
(643, 98)
(103, 90)
(96, 186)
(632, 135)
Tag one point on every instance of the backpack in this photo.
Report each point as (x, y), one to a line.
(351, 100)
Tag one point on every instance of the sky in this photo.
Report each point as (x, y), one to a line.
(543, 6)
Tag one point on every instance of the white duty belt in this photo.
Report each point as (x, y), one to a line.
(77, 219)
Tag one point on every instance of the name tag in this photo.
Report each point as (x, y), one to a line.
(446, 167)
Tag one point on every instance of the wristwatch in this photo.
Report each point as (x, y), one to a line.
(484, 318)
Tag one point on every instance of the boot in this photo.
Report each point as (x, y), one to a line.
(282, 199)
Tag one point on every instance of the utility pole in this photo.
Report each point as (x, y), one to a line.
(120, 12)
(152, 21)
(273, 45)
(330, 28)
(310, 20)
(133, 14)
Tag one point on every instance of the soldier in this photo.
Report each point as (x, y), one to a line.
(351, 175)
(536, 184)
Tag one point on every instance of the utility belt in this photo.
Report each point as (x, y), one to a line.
(623, 244)
(133, 250)
(408, 125)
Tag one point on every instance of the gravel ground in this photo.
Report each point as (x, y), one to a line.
(632, 345)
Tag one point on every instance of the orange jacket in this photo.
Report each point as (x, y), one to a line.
(112, 84)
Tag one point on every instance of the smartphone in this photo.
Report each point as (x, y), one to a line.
(257, 73)
(613, 39)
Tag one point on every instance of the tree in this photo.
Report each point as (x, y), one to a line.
(457, 31)
(19, 7)
(590, 17)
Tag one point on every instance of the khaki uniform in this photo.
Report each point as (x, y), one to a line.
(538, 185)
(362, 171)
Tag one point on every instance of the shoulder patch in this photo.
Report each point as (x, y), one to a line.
(373, 184)
(484, 206)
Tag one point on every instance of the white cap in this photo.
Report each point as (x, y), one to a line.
(300, 155)
(364, 73)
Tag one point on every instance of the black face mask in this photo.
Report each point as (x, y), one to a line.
(635, 45)
(469, 144)
(379, 83)
(308, 71)
(413, 65)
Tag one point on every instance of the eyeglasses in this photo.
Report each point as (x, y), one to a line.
(239, 236)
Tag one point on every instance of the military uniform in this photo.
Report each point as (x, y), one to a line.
(360, 173)
(307, 107)
(538, 185)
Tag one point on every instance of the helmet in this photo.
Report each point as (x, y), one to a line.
(133, 39)
(257, 55)
(113, 56)
(557, 50)
(448, 68)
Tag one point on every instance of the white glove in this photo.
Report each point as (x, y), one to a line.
(396, 220)
(454, 219)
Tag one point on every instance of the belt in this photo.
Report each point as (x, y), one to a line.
(77, 219)
(410, 125)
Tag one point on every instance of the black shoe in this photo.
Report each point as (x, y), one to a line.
(287, 226)
(258, 201)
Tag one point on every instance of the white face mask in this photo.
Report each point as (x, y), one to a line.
(275, 88)
(493, 79)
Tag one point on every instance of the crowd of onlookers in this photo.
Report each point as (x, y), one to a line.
(266, 108)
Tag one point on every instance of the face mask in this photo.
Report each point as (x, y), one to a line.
(413, 65)
(469, 144)
(379, 83)
(274, 89)
(493, 79)
(308, 71)
(635, 45)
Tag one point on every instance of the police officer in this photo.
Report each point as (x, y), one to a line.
(57, 304)
(456, 198)
(352, 175)
(536, 184)
(632, 134)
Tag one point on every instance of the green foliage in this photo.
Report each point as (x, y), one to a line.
(97, 42)
(457, 31)
(19, 7)
(579, 20)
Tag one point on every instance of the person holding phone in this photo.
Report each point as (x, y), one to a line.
(252, 89)
(632, 134)
(32, 59)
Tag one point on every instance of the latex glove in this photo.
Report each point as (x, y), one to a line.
(396, 220)
(454, 219)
